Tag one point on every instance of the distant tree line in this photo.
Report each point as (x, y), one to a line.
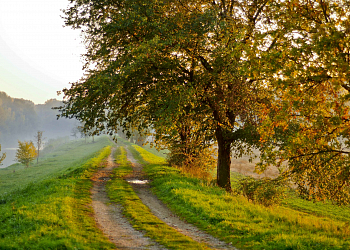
(21, 119)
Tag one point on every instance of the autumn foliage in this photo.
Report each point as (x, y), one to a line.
(26, 153)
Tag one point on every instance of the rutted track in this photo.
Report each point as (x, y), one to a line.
(142, 189)
(111, 221)
(109, 216)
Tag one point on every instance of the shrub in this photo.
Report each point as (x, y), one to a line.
(265, 191)
(200, 164)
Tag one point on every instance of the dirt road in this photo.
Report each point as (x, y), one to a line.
(110, 219)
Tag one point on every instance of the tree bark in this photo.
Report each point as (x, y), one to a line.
(224, 159)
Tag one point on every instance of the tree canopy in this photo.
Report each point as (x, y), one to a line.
(308, 123)
(242, 74)
(160, 61)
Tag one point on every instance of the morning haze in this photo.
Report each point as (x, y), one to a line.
(21, 119)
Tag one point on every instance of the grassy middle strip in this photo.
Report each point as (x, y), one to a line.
(140, 215)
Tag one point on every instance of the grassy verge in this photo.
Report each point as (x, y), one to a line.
(231, 218)
(54, 213)
(140, 216)
(62, 160)
(162, 153)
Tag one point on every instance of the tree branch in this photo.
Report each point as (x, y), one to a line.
(320, 152)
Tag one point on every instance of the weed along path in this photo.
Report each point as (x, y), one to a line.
(109, 216)
(141, 187)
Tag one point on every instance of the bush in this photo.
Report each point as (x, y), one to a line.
(265, 191)
(199, 164)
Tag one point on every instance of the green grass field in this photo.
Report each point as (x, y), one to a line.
(62, 160)
(295, 224)
(46, 206)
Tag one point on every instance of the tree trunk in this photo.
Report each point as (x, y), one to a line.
(224, 159)
(37, 157)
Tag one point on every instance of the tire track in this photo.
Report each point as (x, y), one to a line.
(109, 217)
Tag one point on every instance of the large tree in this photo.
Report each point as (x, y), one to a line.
(227, 67)
(210, 54)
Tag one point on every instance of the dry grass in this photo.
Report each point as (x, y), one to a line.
(243, 166)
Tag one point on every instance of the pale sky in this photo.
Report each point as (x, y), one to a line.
(38, 56)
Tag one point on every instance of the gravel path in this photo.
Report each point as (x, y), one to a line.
(115, 226)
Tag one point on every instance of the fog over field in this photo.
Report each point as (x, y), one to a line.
(10, 155)
(22, 119)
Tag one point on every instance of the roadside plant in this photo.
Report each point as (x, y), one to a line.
(265, 191)
(200, 165)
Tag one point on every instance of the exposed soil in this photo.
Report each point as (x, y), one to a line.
(111, 221)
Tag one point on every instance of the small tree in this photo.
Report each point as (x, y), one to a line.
(26, 152)
(2, 157)
(39, 141)
(82, 132)
(74, 132)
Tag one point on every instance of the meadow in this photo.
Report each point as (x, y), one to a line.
(46, 206)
